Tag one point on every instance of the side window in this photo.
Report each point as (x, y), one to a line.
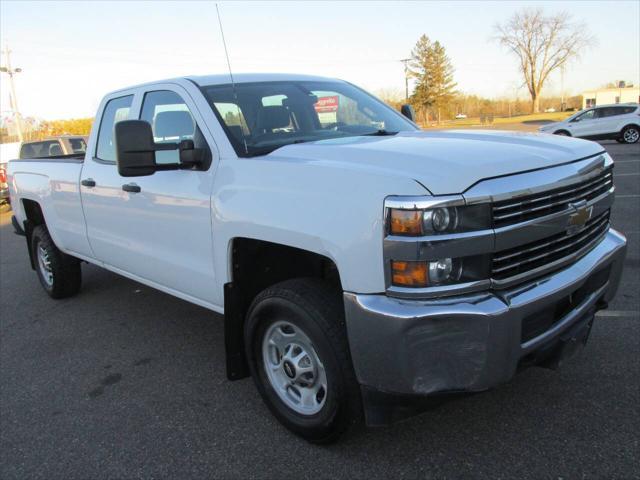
(170, 120)
(116, 110)
(588, 115)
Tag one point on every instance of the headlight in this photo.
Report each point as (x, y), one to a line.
(443, 271)
(439, 220)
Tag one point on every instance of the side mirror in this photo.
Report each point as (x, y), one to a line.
(408, 111)
(135, 148)
(189, 155)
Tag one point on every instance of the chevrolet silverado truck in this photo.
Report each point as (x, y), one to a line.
(361, 264)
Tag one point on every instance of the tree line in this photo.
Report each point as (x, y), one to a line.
(33, 131)
(541, 44)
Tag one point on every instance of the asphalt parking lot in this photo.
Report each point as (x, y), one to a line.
(123, 381)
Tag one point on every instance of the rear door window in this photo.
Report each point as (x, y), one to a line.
(609, 112)
(116, 110)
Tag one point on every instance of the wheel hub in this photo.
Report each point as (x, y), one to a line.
(631, 135)
(293, 368)
(44, 264)
(289, 369)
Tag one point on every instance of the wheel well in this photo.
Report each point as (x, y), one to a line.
(33, 212)
(563, 131)
(35, 217)
(256, 265)
(630, 125)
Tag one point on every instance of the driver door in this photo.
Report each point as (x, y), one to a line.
(585, 124)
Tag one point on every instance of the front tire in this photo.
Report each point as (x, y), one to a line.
(630, 134)
(59, 274)
(562, 133)
(298, 354)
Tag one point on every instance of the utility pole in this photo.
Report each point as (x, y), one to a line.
(406, 61)
(14, 101)
(562, 87)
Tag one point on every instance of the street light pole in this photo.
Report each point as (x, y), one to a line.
(406, 61)
(14, 100)
(562, 87)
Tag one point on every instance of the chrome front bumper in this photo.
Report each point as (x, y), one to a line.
(473, 342)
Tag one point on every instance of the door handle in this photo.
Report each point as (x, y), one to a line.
(131, 187)
(88, 182)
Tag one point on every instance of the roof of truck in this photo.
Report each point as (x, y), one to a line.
(224, 78)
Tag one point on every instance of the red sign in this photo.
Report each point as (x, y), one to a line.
(327, 104)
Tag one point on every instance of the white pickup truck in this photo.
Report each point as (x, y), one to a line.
(361, 264)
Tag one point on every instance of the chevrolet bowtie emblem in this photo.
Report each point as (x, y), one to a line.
(579, 218)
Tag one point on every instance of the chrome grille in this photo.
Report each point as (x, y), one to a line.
(512, 211)
(524, 259)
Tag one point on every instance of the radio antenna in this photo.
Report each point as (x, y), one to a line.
(233, 84)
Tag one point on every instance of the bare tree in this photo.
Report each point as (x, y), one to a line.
(542, 44)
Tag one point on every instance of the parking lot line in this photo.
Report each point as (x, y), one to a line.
(618, 313)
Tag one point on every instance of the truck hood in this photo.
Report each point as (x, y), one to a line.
(444, 162)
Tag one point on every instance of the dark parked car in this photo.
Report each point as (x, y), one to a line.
(53, 147)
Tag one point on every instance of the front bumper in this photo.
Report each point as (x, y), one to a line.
(474, 342)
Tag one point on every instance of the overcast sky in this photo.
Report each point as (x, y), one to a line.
(72, 53)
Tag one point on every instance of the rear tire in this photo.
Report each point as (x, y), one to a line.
(630, 134)
(301, 322)
(562, 133)
(59, 274)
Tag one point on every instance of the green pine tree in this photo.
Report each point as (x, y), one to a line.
(433, 72)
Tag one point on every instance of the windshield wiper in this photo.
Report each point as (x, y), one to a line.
(255, 151)
(379, 133)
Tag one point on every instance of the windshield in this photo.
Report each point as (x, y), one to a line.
(269, 115)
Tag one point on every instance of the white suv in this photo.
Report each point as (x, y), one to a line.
(620, 122)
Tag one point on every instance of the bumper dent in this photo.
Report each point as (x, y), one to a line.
(469, 343)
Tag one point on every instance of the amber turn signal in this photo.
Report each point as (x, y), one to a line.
(409, 274)
(406, 222)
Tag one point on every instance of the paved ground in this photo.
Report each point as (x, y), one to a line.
(123, 381)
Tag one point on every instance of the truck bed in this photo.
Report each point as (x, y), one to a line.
(70, 157)
(57, 192)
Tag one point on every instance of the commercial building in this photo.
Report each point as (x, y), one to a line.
(605, 96)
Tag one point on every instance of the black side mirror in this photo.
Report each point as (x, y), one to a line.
(189, 155)
(408, 111)
(135, 148)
